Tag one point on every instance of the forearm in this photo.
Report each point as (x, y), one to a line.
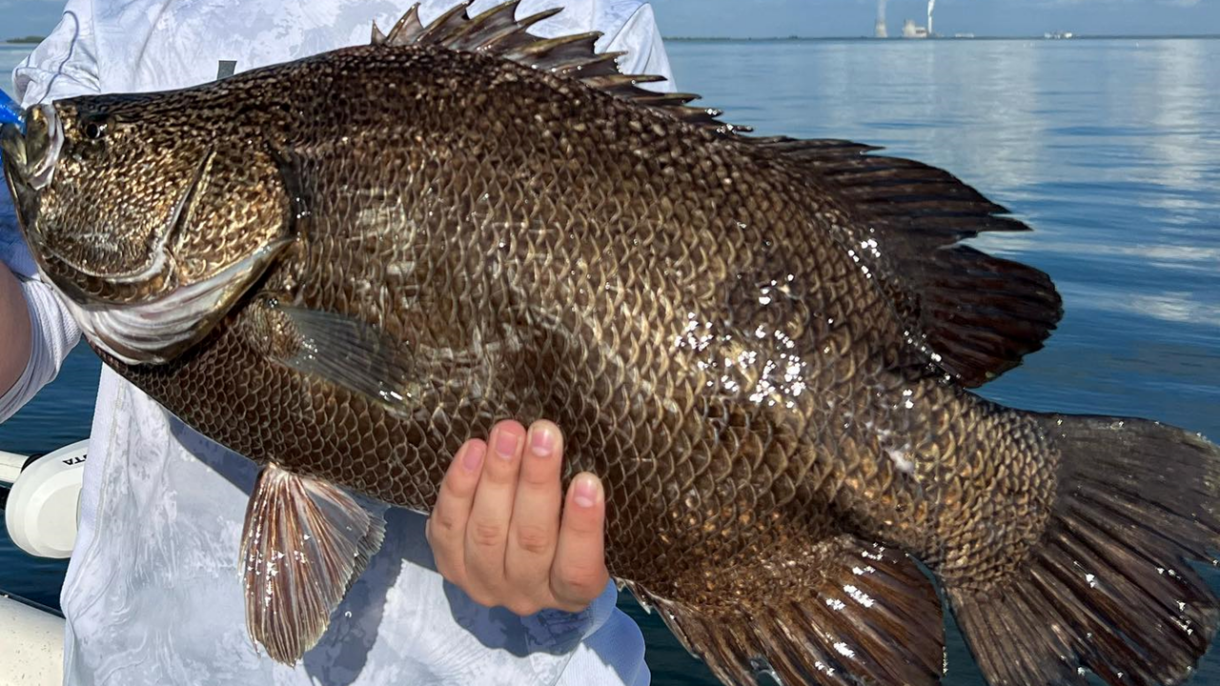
(36, 334)
(15, 323)
(36, 331)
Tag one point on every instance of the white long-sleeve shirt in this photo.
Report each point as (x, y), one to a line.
(152, 594)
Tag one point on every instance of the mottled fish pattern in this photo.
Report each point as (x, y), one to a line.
(345, 266)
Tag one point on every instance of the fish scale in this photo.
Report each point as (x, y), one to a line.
(763, 346)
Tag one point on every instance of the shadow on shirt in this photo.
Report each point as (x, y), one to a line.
(341, 655)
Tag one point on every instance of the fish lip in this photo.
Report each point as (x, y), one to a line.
(13, 157)
(12, 143)
(24, 177)
(40, 172)
(161, 257)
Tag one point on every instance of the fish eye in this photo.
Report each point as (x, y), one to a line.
(94, 130)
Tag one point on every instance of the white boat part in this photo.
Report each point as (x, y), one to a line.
(44, 502)
(33, 641)
(10, 466)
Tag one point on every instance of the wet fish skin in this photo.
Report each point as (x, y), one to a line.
(733, 335)
(478, 297)
(515, 315)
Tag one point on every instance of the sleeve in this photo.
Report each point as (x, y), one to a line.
(63, 65)
(612, 655)
(612, 652)
(640, 38)
(54, 333)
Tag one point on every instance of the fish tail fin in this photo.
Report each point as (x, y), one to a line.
(1109, 588)
(836, 612)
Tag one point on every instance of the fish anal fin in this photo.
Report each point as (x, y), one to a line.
(341, 349)
(841, 613)
(970, 314)
(304, 542)
(498, 32)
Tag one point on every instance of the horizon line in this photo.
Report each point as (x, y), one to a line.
(25, 40)
(961, 36)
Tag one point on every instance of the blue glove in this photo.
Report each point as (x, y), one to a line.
(10, 112)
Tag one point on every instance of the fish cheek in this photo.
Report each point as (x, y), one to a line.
(239, 206)
(112, 204)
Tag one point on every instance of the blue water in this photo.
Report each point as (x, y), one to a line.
(10, 55)
(1109, 148)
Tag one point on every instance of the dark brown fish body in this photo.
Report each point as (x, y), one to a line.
(663, 349)
(748, 341)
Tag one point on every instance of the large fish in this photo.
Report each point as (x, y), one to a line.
(344, 266)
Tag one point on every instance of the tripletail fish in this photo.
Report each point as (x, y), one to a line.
(344, 266)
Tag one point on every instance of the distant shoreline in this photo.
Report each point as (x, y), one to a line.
(34, 40)
(899, 39)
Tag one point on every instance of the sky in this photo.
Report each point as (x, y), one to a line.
(761, 18)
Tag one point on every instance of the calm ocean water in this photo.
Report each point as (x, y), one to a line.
(1110, 149)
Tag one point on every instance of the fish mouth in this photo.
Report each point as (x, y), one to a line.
(29, 159)
(12, 154)
(32, 156)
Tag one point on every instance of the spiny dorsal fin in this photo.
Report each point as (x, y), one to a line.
(444, 28)
(405, 32)
(498, 32)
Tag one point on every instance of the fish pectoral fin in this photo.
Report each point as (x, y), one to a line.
(841, 612)
(305, 541)
(343, 350)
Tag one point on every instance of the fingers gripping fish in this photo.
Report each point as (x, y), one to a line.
(764, 346)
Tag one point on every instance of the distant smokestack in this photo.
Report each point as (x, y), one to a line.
(931, 6)
(880, 30)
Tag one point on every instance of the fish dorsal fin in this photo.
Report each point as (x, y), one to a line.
(969, 314)
(498, 32)
(972, 315)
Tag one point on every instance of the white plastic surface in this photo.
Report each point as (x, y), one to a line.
(44, 503)
(10, 466)
(33, 645)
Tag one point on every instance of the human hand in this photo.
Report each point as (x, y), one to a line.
(496, 531)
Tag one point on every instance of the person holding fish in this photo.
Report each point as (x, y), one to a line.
(767, 348)
(151, 596)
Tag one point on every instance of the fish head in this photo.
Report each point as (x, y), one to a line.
(99, 193)
(127, 211)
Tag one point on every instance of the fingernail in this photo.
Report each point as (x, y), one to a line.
(542, 440)
(586, 491)
(507, 442)
(472, 456)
